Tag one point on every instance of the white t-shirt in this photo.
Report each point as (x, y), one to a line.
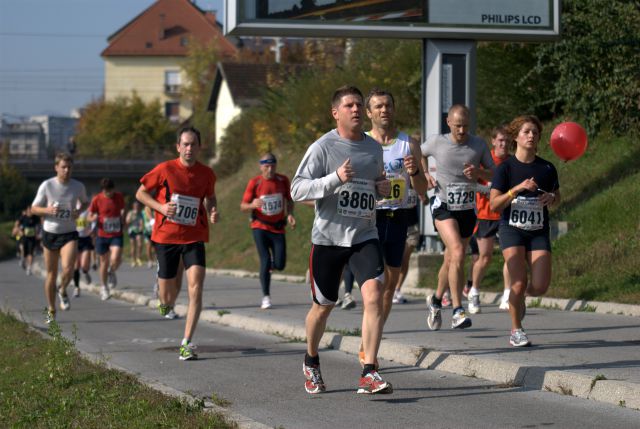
(66, 197)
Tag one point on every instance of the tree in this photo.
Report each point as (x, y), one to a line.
(597, 63)
(200, 69)
(124, 128)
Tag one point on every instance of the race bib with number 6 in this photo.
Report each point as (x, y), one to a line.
(398, 190)
(357, 199)
(461, 196)
(527, 214)
(186, 209)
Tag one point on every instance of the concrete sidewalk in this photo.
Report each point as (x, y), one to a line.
(579, 353)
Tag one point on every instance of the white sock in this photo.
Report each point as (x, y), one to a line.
(474, 291)
(505, 294)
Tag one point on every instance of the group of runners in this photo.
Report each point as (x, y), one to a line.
(364, 187)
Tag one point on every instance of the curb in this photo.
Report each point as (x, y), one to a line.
(504, 373)
(550, 303)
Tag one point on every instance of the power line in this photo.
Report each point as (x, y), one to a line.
(51, 35)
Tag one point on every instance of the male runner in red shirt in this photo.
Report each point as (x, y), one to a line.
(184, 203)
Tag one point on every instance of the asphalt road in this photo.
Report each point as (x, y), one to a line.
(261, 374)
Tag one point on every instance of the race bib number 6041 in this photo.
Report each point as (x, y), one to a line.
(357, 199)
(527, 214)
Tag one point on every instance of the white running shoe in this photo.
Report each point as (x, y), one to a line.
(474, 304)
(29, 272)
(171, 314)
(434, 316)
(64, 300)
(348, 302)
(398, 298)
(460, 319)
(76, 292)
(104, 293)
(519, 338)
(266, 302)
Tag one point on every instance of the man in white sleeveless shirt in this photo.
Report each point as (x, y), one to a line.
(60, 200)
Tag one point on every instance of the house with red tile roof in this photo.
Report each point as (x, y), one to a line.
(145, 56)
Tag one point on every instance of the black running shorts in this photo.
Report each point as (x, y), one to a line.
(169, 255)
(531, 240)
(53, 241)
(327, 262)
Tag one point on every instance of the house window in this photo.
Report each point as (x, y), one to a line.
(184, 41)
(172, 111)
(172, 81)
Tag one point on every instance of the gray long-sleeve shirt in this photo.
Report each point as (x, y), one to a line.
(344, 213)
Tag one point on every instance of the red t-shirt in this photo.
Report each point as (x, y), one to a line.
(482, 200)
(188, 187)
(275, 194)
(109, 212)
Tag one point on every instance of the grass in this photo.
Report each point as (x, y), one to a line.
(8, 244)
(47, 384)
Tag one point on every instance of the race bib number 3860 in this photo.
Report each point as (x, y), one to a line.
(357, 199)
(186, 209)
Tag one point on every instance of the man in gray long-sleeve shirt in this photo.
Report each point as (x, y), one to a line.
(343, 173)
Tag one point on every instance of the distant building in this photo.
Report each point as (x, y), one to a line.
(23, 139)
(238, 86)
(146, 55)
(58, 132)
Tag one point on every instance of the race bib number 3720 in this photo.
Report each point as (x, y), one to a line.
(357, 199)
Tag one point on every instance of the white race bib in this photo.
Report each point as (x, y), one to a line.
(527, 214)
(186, 209)
(271, 204)
(111, 225)
(357, 199)
(461, 196)
(64, 210)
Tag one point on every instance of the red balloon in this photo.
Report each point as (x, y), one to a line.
(568, 141)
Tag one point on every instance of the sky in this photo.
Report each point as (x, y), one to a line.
(50, 51)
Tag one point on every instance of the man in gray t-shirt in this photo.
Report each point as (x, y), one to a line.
(343, 173)
(59, 200)
(459, 157)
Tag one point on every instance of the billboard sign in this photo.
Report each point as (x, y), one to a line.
(525, 20)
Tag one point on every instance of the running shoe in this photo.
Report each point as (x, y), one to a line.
(314, 383)
(64, 300)
(460, 319)
(348, 302)
(373, 383)
(29, 272)
(112, 279)
(171, 314)
(105, 294)
(519, 338)
(50, 317)
(398, 298)
(139, 262)
(361, 360)
(434, 318)
(76, 292)
(86, 277)
(474, 304)
(504, 304)
(164, 309)
(187, 351)
(446, 299)
(149, 264)
(266, 302)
